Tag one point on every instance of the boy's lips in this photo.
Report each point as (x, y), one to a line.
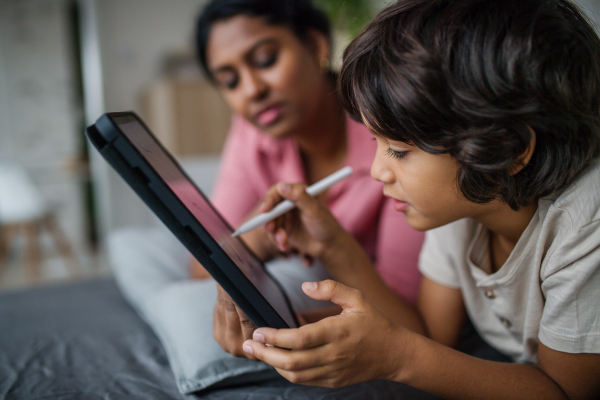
(400, 205)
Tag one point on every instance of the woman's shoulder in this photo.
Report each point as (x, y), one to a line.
(357, 130)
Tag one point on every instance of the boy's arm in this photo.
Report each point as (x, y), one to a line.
(362, 344)
(442, 311)
(440, 370)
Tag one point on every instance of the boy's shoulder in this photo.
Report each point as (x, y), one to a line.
(454, 235)
(579, 202)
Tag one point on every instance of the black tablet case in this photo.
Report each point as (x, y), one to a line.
(124, 157)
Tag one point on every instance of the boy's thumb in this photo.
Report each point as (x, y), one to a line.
(336, 292)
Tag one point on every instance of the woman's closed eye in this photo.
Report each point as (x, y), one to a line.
(227, 79)
(396, 154)
(264, 59)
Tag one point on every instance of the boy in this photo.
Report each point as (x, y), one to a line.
(487, 118)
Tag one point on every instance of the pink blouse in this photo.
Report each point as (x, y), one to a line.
(252, 162)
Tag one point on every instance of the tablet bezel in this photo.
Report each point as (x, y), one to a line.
(123, 156)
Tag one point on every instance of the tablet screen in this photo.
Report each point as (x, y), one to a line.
(203, 211)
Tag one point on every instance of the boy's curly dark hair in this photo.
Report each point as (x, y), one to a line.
(471, 77)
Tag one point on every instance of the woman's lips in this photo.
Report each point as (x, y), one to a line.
(400, 205)
(269, 115)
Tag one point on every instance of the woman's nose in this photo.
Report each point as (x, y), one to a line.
(255, 87)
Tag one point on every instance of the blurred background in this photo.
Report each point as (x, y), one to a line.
(63, 63)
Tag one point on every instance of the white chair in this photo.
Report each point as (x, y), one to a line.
(23, 209)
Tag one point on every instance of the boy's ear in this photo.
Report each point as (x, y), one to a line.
(525, 157)
(320, 47)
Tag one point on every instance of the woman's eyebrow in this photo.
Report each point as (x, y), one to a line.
(251, 50)
(259, 44)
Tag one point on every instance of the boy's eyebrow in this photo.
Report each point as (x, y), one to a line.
(255, 46)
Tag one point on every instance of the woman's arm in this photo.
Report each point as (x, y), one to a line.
(312, 230)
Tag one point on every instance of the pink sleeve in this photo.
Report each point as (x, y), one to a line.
(234, 195)
(397, 253)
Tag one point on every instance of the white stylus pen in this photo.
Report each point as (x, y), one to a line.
(286, 205)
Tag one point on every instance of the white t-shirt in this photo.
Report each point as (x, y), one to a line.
(549, 288)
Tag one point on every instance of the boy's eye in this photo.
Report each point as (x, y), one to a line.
(396, 154)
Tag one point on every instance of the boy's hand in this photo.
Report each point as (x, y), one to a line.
(310, 229)
(231, 326)
(358, 345)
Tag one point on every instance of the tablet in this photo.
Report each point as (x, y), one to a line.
(139, 158)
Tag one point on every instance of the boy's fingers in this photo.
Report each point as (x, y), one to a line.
(310, 377)
(283, 359)
(338, 293)
(305, 337)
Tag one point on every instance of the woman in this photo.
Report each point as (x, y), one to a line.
(270, 62)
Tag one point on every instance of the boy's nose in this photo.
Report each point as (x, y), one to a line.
(380, 172)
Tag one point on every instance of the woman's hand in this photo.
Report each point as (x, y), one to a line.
(310, 229)
(231, 326)
(358, 345)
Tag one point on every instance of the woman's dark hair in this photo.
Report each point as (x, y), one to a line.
(300, 16)
(471, 78)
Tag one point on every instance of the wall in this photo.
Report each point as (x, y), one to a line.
(39, 112)
(132, 39)
(592, 9)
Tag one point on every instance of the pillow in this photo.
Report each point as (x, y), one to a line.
(151, 269)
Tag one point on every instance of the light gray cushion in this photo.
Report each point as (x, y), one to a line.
(151, 269)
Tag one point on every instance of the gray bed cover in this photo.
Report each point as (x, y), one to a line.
(83, 341)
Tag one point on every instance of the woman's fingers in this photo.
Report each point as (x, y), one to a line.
(231, 325)
(247, 326)
(271, 199)
(310, 228)
(296, 192)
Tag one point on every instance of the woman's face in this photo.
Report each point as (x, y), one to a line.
(266, 73)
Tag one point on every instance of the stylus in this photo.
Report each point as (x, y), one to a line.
(287, 205)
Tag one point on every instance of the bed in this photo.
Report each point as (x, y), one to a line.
(83, 341)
